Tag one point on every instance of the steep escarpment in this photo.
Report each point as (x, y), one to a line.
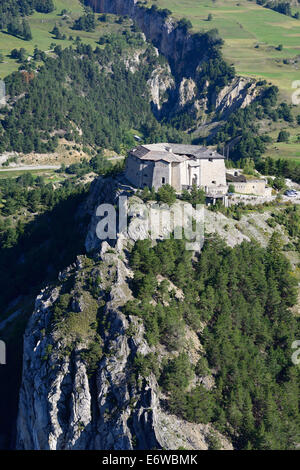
(81, 388)
(204, 82)
(174, 42)
(237, 95)
(135, 345)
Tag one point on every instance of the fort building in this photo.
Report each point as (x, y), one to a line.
(179, 165)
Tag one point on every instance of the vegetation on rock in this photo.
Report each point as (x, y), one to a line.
(243, 297)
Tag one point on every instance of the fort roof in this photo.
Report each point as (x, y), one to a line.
(174, 152)
(235, 178)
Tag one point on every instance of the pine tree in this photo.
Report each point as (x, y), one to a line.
(26, 31)
(14, 27)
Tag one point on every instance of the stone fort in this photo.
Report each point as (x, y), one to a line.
(178, 165)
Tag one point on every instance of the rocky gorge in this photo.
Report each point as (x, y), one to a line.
(186, 53)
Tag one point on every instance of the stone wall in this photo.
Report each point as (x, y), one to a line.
(147, 173)
(257, 187)
(161, 174)
(132, 170)
(176, 176)
(212, 172)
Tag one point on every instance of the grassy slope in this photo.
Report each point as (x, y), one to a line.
(41, 25)
(243, 25)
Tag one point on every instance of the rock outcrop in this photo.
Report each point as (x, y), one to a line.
(186, 54)
(161, 84)
(61, 406)
(236, 95)
(187, 92)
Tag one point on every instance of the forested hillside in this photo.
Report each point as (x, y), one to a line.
(84, 113)
(227, 56)
(207, 334)
(89, 96)
(238, 301)
(11, 10)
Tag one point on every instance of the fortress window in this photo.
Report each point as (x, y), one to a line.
(213, 182)
(163, 180)
(210, 159)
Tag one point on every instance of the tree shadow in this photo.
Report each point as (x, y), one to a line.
(49, 244)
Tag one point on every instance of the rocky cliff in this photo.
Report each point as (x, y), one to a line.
(80, 386)
(161, 83)
(79, 389)
(186, 54)
(237, 94)
(176, 44)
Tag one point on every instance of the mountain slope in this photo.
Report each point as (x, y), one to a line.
(88, 392)
(126, 352)
(244, 25)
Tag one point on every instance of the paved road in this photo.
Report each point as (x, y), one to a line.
(44, 167)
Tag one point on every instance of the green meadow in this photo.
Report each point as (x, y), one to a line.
(252, 34)
(15, 174)
(41, 25)
(245, 25)
(289, 150)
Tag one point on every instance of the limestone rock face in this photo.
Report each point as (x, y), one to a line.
(54, 406)
(132, 61)
(238, 94)
(160, 84)
(174, 43)
(187, 92)
(60, 406)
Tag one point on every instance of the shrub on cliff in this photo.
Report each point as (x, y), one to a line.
(184, 24)
(166, 194)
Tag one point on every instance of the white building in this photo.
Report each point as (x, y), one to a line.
(243, 185)
(178, 165)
